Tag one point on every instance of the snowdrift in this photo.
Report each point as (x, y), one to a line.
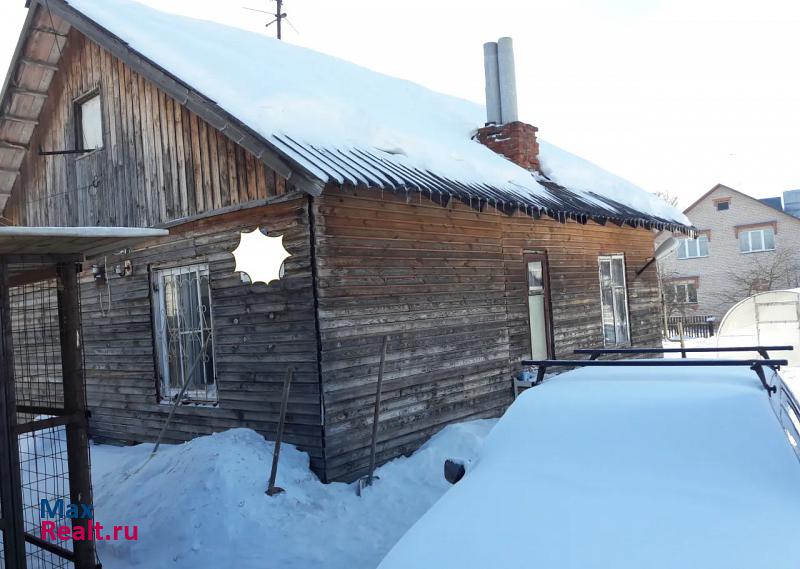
(202, 504)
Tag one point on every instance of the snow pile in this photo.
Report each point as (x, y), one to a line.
(280, 89)
(202, 504)
(623, 468)
(789, 374)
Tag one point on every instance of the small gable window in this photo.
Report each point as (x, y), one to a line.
(89, 123)
(723, 204)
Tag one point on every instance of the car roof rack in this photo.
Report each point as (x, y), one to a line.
(763, 351)
(754, 364)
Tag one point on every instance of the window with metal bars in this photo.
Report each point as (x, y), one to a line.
(614, 300)
(184, 334)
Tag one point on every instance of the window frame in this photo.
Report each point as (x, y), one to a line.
(77, 105)
(683, 249)
(749, 233)
(720, 202)
(165, 392)
(684, 298)
(610, 258)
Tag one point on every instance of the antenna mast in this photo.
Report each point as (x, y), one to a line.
(279, 16)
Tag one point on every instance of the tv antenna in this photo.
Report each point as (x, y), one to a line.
(279, 15)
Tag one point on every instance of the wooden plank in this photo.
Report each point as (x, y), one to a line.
(197, 165)
(205, 158)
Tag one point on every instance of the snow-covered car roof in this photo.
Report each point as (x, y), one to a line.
(619, 468)
(341, 123)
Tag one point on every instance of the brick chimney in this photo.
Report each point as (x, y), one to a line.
(503, 132)
(514, 140)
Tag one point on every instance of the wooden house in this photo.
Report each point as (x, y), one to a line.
(470, 246)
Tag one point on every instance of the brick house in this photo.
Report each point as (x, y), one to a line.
(738, 236)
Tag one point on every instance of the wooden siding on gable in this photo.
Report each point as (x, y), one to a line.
(259, 330)
(159, 163)
(448, 285)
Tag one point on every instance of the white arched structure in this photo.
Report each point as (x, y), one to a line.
(767, 318)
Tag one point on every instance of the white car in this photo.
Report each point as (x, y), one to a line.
(627, 468)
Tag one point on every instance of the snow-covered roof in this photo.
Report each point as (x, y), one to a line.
(622, 468)
(342, 123)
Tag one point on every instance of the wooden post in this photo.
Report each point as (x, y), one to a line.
(680, 335)
(11, 522)
(80, 478)
(377, 412)
(287, 383)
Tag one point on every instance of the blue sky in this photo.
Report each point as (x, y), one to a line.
(674, 95)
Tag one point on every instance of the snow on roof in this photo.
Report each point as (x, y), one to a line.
(344, 123)
(623, 468)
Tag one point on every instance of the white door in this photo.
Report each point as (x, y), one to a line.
(537, 308)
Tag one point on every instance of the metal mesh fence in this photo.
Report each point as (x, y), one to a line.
(38, 558)
(37, 346)
(39, 392)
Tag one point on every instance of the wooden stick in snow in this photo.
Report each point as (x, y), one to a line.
(271, 488)
(375, 418)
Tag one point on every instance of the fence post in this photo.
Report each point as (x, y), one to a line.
(680, 335)
(80, 478)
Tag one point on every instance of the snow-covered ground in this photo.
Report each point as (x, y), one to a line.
(790, 374)
(202, 505)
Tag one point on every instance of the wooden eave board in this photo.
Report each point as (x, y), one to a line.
(33, 68)
(81, 241)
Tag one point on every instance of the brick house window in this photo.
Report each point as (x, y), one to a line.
(693, 248)
(755, 240)
(684, 292)
(89, 123)
(614, 300)
(184, 333)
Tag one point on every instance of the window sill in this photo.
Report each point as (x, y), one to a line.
(690, 258)
(191, 402)
(79, 157)
(757, 251)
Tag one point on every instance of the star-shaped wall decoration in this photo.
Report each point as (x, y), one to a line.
(260, 256)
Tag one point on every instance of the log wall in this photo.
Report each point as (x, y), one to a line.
(259, 330)
(449, 286)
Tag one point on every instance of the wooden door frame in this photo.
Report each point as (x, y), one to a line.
(541, 256)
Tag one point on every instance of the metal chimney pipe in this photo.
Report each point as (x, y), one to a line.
(508, 80)
(490, 69)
